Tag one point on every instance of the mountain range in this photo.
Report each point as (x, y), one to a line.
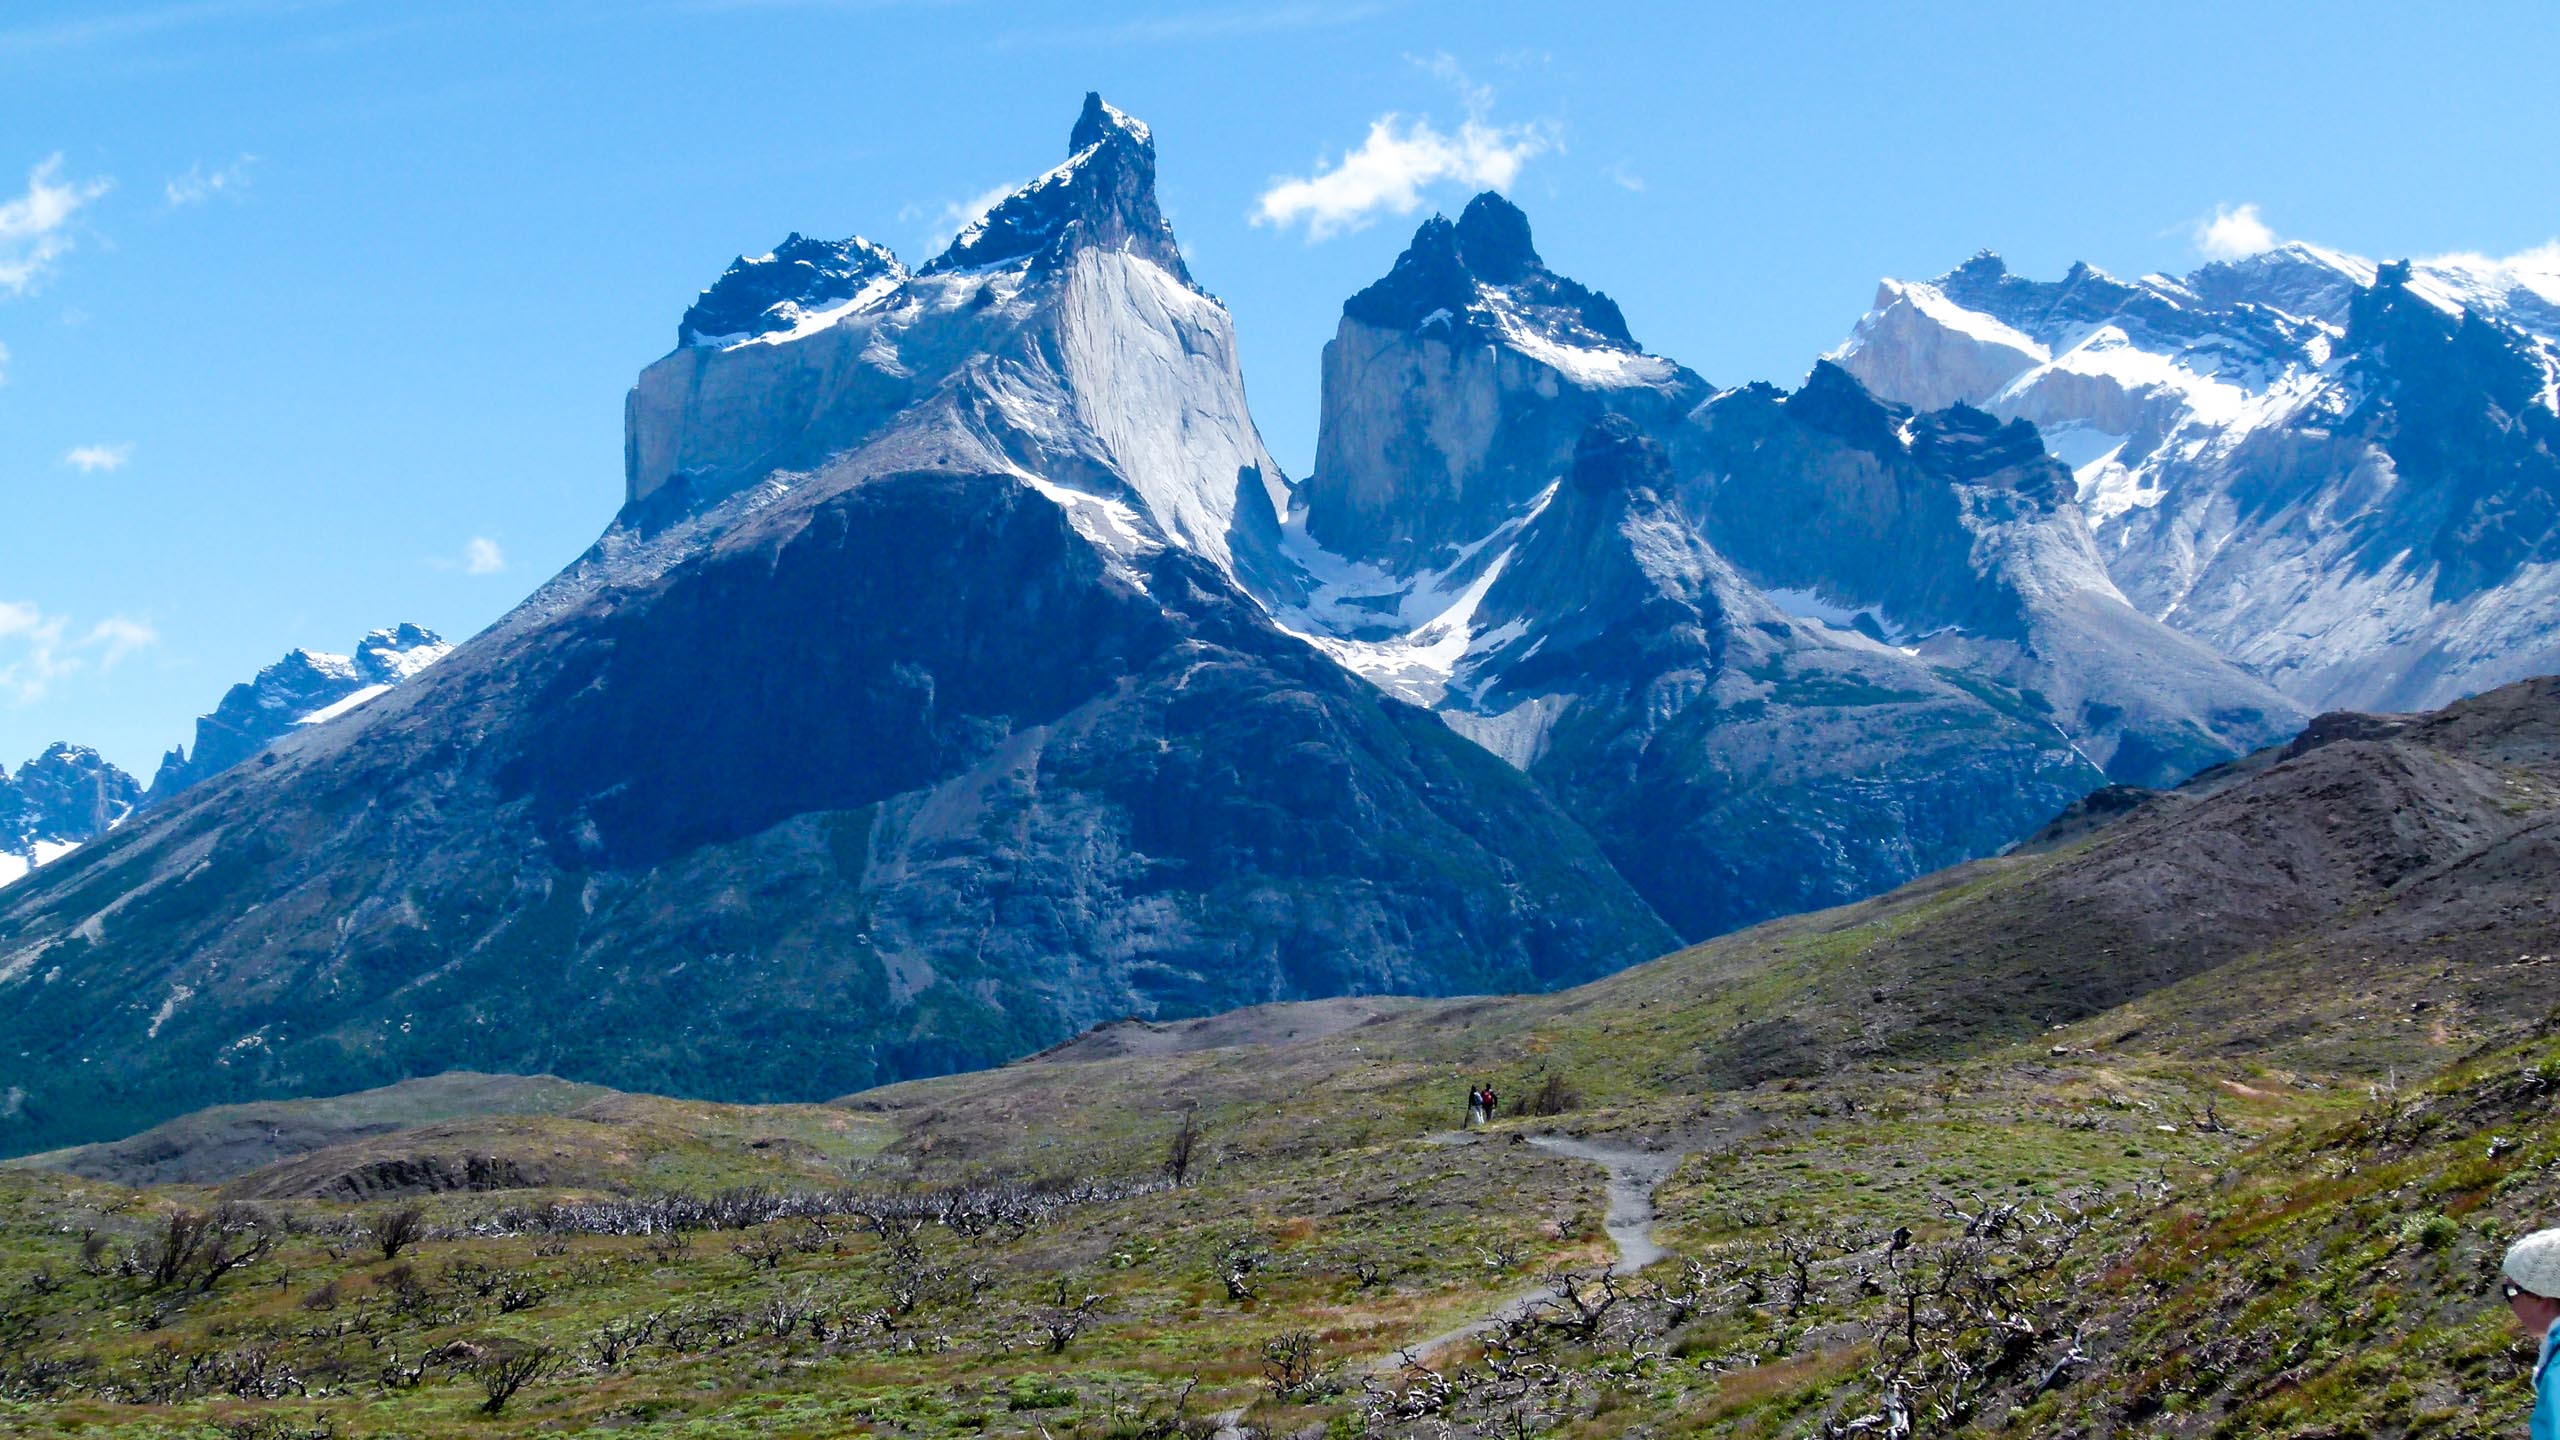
(2343, 475)
(961, 671)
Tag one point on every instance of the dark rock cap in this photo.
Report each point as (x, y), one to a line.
(1104, 197)
(762, 294)
(1613, 455)
(1488, 244)
(1492, 237)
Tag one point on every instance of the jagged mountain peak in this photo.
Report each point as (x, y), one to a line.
(1833, 401)
(2378, 435)
(1482, 273)
(1457, 387)
(1984, 264)
(1101, 120)
(1103, 195)
(1492, 236)
(58, 801)
(305, 687)
(798, 283)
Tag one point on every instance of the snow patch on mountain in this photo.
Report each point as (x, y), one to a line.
(1407, 634)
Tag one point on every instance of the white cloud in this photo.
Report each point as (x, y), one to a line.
(118, 636)
(2233, 233)
(1389, 170)
(1444, 67)
(1401, 158)
(1622, 175)
(4, 364)
(34, 227)
(199, 184)
(90, 459)
(2527, 267)
(481, 556)
(955, 215)
(37, 648)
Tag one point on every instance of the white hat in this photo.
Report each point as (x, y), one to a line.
(2533, 1263)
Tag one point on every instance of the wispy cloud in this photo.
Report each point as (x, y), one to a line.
(90, 459)
(38, 648)
(479, 555)
(199, 184)
(953, 216)
(1401, 158)
(1622, 175)
(35, 227)
(4, 364)
(2541, 261)
(2233, 232)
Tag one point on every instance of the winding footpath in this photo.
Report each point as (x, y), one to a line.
(1633, 1177)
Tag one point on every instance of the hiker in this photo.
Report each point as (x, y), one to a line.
(1489, 1105)
(2532, 1288)
(1475, 1106)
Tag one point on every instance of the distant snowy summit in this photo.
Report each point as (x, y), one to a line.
(56, 802)
(70, 795)
(2344, 475)
(306, 687)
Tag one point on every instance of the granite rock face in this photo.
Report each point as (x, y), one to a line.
(1456, 387)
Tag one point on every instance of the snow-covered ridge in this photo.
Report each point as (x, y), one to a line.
(798, 286)
(2240, 439)
(306, 687)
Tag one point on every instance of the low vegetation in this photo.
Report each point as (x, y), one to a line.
(1962, 1161)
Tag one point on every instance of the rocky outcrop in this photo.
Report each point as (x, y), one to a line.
(1102, 198)
(799, 284)
(1954, 536)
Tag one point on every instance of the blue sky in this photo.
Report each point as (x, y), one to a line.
(318, 316)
